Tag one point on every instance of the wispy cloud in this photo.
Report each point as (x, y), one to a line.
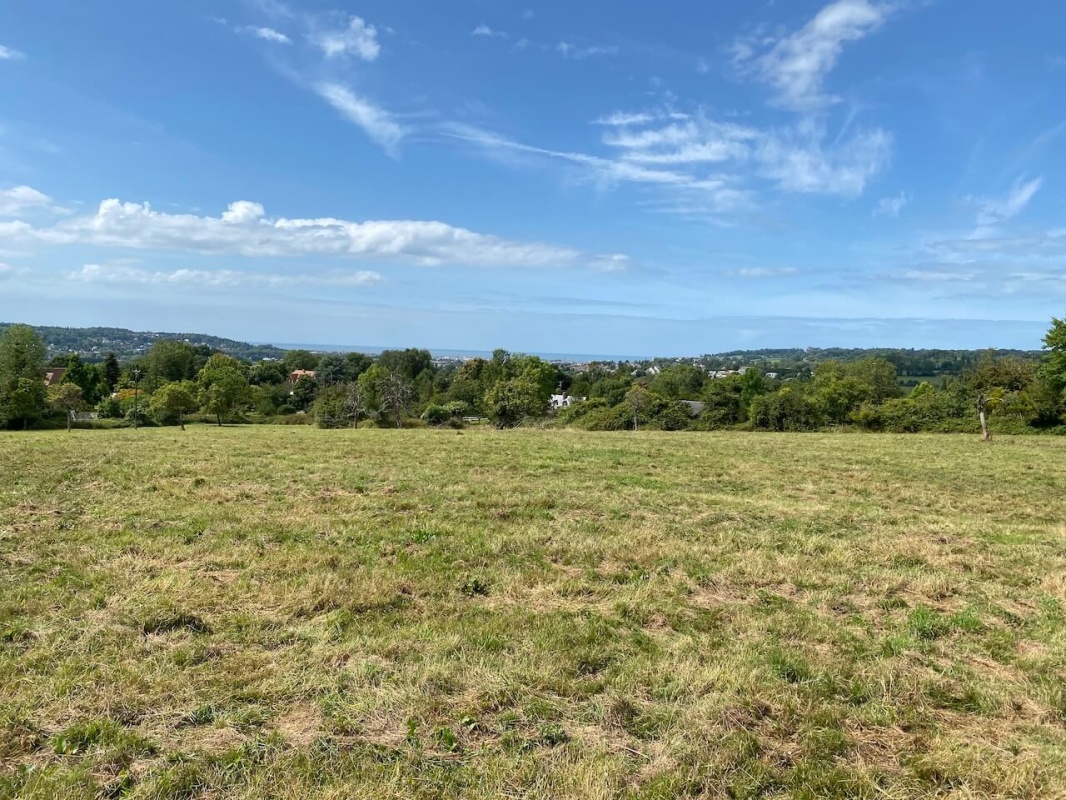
(622, 118)
(9, 54)
(890, 206)
(797, 64)
(377, 123)
(22, 198)
(122, 274)
(992, 211)
(357, 38)
(268, 34)
(799, 160)
(244, 230)
(485, 30)
(713, 192)
(275, 9)
(693, 141)
(935, 276)
(578, 52)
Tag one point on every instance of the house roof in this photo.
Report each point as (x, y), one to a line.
(296, 374)
(54, 375)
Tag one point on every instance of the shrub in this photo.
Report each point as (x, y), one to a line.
(674, 417)
(436, 415)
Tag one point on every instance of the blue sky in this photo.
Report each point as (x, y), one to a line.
(608, 176)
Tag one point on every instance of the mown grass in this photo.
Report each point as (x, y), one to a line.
(288, 612)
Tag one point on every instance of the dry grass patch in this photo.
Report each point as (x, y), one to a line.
(289, 612)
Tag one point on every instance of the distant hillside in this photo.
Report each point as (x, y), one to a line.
(93, 344)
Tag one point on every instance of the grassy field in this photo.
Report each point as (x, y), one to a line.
(295, 613)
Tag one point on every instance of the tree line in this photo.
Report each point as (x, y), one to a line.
(175, 381)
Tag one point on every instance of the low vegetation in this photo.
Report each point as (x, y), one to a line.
(303, 613)
(175, 380)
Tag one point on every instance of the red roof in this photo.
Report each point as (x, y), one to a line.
(54, 375)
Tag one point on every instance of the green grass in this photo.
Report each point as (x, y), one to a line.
(288, 612)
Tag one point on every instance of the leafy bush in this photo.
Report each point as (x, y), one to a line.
(436, 415)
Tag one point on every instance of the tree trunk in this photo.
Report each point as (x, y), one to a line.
(68, 422)
(986, 435)
(181, 421)
(219, 418)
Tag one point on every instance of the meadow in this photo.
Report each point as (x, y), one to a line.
(296, 613)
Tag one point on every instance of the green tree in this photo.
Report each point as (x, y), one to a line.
(172, 401)
(268, 373)
(789, 409)
(355, 364)
(223, 386)
(299, 359)
(169, 360)
(303, 393)
(80, 375)
(112, 372)
(331, 369)
(22, 391)
(1054, 368)
(24, 401)
(508, 402)
(640, 404)
(67, 398)
(22, 353)
(679, 382)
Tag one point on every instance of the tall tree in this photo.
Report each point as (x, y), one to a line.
(22, 359)
(303, 393)
(112, 372)
(299, 359)
(223, 386)
(1054, 368)
(169, 360)
(22, 353)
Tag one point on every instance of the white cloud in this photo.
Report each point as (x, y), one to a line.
(21, 198)
(269, 35)
(485, 30)
(615, 262)
(622, 118)
(690, 142)
(243, 211)
(764, 272)
(243, 231)
(715, 192)
(890, 206)
(799, 161)
(576, 52)
(378, 124)
(936, 276)
(8, 54)
(358, 39)
(797, 64)
(121, 274)
(993, 211)
(797, 158)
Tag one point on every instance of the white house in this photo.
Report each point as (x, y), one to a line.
(559, 401)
